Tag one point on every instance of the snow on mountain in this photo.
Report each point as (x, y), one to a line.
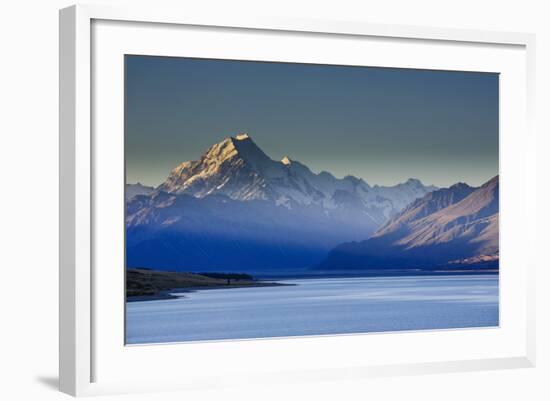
(137, 189)
(238, 168)
(286, 161)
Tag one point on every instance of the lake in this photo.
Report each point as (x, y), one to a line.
(316, 307)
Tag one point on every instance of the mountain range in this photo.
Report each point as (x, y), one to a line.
(236, 209)
(238, 168)
(454, 227)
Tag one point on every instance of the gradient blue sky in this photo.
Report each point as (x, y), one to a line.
(383, 125)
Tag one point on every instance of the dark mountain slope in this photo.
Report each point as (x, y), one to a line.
(450, 227)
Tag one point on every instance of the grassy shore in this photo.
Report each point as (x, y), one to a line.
(150, 284)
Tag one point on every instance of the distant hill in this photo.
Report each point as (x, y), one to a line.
(137, 189)
(456, 227)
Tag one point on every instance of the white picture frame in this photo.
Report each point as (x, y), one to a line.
(82, 342)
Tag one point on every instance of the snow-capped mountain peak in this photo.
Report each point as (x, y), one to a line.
(247, 150)
(242, 136)
(238, 168)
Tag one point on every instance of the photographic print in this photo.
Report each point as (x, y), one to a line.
(270, 199)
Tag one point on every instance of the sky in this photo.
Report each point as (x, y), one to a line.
(384, 125)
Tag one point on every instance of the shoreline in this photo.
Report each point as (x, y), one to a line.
(167, 294)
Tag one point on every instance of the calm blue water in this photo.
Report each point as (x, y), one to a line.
(318, 306)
